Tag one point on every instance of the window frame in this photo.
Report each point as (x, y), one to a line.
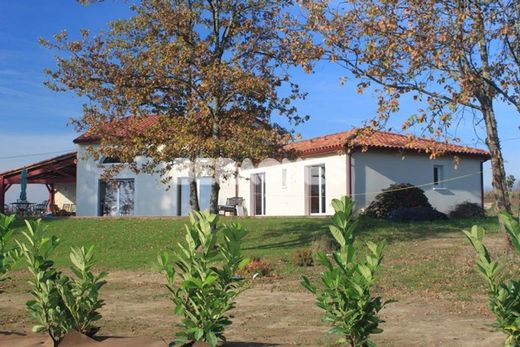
(322, 189)
(438, 177)
(284, 178)
(263, 192)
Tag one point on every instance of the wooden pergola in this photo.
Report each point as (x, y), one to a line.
(60, 169)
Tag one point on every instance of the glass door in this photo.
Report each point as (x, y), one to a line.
(183, 196)
(117, 197)
(258, 185)
(316, 189)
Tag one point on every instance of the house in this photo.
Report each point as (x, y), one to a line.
(326, 168)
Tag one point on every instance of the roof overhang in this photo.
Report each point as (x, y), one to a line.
(60, 169)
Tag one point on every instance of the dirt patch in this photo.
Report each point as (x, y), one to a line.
(441, 302)
(266, 315)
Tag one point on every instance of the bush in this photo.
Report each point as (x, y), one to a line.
(205, 292)
(80, 295)
(8, 253)
(258, 266)
(344, 290)
(60, 303)
(402, 195)
(467, 210)
(303, 257)
(504, 297)
(416, 214)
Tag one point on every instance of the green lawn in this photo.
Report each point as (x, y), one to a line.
(134, 243)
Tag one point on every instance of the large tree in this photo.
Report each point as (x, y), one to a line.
(457, 58)
(212, 72)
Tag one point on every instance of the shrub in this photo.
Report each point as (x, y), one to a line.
(402, 195)
(467, 210)
(205, 292)
(80, 295)
(303, 257)
(258, 266)
(504, 297)
(416, 214)
(46, 306)
(8, 253)
(349, 306)
(59, 303)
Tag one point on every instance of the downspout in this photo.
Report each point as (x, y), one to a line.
(482, 184)
(237, 190)
(350, 174)
(2, 194)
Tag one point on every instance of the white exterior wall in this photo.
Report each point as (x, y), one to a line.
(372, 171)
(151, 196)
(376, 170)
(65, 193)
(291, 200)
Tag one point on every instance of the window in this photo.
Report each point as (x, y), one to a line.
(438, 176)
(117, 197)
(316, 189)
(110, 160)
(258, 188)
(284, 178)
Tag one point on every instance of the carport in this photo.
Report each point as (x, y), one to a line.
(60, 169)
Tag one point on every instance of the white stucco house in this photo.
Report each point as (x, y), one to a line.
(326, 167)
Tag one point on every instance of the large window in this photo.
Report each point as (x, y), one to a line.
(117, 197)
(183, 194)
(317, 189)
(258, 188)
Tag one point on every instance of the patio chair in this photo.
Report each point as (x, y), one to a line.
(41, 208)
(231, 206)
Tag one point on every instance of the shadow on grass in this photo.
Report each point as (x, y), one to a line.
(291, 234)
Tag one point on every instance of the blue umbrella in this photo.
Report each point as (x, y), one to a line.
(23, 185)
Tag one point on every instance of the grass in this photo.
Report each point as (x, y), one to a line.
(426, 257)
(134, 243)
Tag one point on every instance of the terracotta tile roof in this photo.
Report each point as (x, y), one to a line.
(131, 124)
(382, 140)
(324, 144)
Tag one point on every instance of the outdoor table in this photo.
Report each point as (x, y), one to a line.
(23, 208)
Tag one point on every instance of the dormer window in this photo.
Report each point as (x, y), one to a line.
(111, 160)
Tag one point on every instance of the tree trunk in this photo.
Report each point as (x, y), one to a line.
(213, 203)
(503, 204)
(194, 194)
(194, 199)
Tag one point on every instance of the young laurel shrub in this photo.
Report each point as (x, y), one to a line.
(207, 286)
(8, 253)
(60, 303)
(46, 307)
(349, 307)
(80, 295)
(504, 297)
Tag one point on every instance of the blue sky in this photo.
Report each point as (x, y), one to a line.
(34, 119)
